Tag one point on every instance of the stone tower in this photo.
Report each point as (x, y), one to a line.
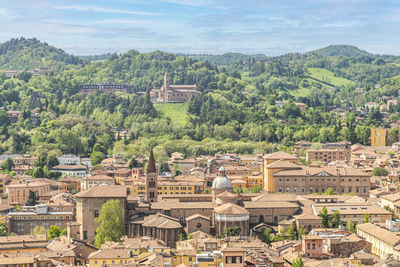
(166, 81)
(151, 179)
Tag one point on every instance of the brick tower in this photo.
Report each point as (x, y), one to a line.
(151, 179)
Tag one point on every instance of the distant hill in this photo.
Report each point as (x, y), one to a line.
(28, 54)
(228, 58)
(341, 50)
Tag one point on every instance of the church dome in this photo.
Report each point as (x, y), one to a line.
(221, 181)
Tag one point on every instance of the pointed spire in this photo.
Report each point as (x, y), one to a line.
(151, 165)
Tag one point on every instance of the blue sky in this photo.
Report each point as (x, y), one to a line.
(272, 27)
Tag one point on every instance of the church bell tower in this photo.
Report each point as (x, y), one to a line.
(151, 179)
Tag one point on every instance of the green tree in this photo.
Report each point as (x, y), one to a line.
(330, 191)
(325, 217)
(181, 237)
(232, 231)
(8, 164)
(53, 232)
(189, 236)
(38, 173)
(336, 219)
(32, 198)
(96, 157)
(38, 230)
(302, 232)
(298, 262)
(51, 162)
(351, 226)
(367, 218)
(111, 221)
(291, 232)
(3, 229)
(267, 236)
(379, 171)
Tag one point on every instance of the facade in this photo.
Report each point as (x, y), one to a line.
(106, 88)
(355, 212)
(71, 170)
(69, 160)
(23, 221)
(96, 180)
(313, 246)
(378, 137)
(289, 161)
(88, 206)
(18, 192)
(309, 179)
(385, 243)
(173, 93)
(326, 155)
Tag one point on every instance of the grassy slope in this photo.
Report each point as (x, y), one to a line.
(328, 77)
(177, 112)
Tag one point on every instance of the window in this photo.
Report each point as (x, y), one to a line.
(86, 237)
(313, 246)
(96, 213)
(280, 189)
(198, 225)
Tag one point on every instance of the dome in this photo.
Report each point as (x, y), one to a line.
(222, 182)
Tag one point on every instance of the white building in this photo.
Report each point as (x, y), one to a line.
(71, 170)
(69, 159)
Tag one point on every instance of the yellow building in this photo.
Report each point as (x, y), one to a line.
(276, 162)
(378, 137)
(170, 187)
(130, 251)
(385, 243)
(184, 256)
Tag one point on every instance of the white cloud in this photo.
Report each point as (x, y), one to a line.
(105, 10)
(7, 14)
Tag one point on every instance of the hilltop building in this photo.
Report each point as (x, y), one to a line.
(173, 93)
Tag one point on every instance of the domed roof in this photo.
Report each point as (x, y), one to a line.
(221, 181)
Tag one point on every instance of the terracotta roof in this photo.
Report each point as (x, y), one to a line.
(275, 197)
(230, 209)
(282, 164)
(330, 170)
(69, 167)
(380, 233)
(197, 216)
(280, 155)
(143, 242)
(226, 194)
(111, 253)
(391, 197)
(99, 178)
(161, 221)
(112, 191)
(266, 204)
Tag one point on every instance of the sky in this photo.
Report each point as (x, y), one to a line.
(271, 27)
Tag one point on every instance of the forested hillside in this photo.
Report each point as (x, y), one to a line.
(341, 50)
(246, 106)
(28, 54)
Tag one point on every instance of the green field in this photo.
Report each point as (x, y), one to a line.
(327, 76)
(177, 112)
